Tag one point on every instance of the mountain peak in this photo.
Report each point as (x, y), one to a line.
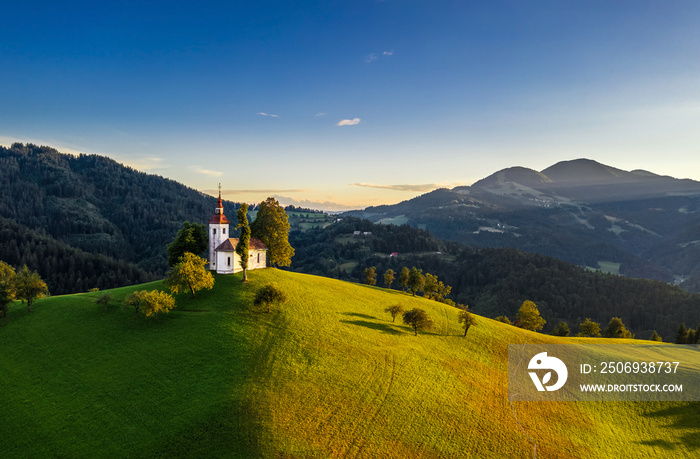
(517, 174)
(585, 171)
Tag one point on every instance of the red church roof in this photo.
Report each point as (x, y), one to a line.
(219, 217)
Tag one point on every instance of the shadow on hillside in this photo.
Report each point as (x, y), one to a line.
(686, 417)
(374, 326)
(356, 314)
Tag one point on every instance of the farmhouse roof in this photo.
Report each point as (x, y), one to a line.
(229, 245)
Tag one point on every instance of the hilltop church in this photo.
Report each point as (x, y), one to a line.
(222, 249)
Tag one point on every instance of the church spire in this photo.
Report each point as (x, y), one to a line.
(219, 217)
(220, 204)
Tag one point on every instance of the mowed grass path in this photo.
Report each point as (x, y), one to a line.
(326, 375)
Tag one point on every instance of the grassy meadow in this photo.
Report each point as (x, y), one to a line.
(326, 375)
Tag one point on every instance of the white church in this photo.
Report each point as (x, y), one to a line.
(222, 249)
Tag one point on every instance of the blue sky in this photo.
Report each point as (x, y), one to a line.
(354, 102)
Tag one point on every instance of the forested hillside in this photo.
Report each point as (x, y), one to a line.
(65, 268)
(495, 282)
(96, 205)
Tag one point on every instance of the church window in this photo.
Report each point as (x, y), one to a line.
(258, 258)
(214, 231)
(229, 261)
(223, 230)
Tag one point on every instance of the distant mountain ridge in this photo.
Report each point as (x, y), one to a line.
(581, 211)
(588, 180)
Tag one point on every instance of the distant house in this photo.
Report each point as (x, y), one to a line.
(356, 233)
(367, 233)
(393, 254)
(222, 249)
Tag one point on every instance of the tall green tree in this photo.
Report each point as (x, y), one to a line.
(7, 287)
(588, 328)
(192, 237)
(467, 319)
(442, 291)
(243, 246)
(418, 319)
(416, 280)
(655, 336)
(616, 329)
(389, 278)
(190, 274)
(271, 226)
(270, 294)
(430, 286)
(403, 278)
(395, 310)
(370, 275)
(682, 335)
(29, 286)
(528, 317)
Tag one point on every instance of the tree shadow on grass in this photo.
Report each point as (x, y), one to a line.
(686, 417)
(374, 326)
(355, 314)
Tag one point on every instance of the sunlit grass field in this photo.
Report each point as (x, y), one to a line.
(326, 375)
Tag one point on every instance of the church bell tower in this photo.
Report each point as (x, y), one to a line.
(218, 231)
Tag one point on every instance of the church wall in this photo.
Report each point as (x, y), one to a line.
(215, 239)
(227, 263)
(258, 259)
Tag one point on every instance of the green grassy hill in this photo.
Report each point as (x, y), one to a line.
(326, 375)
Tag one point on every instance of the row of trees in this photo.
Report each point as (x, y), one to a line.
(686, 335)
(412, 280)
(528, 317)
(418, 319)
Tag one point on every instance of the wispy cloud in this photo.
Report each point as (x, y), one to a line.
(209, 172)
(374, 56)
(414, 188)
(351, 122)
(268, 114)
(320, 114)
